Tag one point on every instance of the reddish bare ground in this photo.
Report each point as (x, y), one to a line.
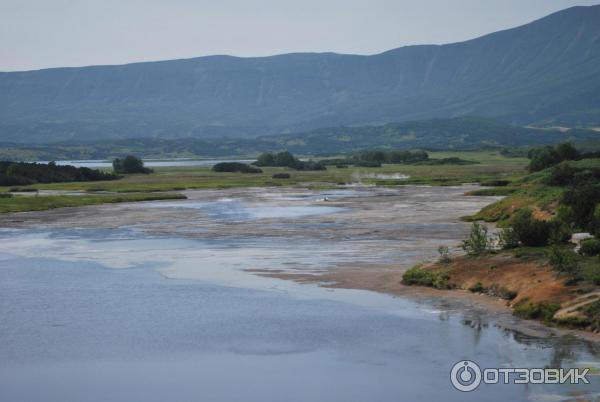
(530, 279)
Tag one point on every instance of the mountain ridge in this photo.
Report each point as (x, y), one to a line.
(544, 72)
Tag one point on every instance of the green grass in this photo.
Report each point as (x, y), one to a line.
(525, 191)
(40, 203)
(536, 311)
(491, 166)
(418, 276)
(539, 197)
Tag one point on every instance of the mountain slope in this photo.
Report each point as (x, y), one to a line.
(462, 133)
(545, 72)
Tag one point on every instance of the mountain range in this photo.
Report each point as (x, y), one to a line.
(545, 73)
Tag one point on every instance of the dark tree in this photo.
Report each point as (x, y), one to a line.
(130, 164)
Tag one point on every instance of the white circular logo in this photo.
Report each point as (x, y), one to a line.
(465, 375)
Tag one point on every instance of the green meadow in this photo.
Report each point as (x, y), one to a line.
(169, 180)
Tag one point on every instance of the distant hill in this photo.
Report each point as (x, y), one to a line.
(464, 133)
(543, 73)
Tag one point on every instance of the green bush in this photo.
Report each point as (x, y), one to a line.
(477, 288)
(129, 164)
(595, 224)
(24, 173)
(560, 232)
(536, 311)
(591, 273)
(583, 201)
(281, 176)
(590, 247)
(286, 159)
(529, 231)
(592, 311)
(545, 157)
(563, 261)
(363, 163)
(561, 175)
(235, 167)
(567, 151)
(508, 239)
(23, 190)
(444, 255)
(478, 242)
(495, 183)
(542, 158)
(422, 277)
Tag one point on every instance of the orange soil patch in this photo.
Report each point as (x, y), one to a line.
(529, 279)
(541, 215)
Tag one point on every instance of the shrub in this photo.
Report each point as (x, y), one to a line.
(595, 223)
(565, 213)
(14, 180)
(545, 157)
(591, 273)
(363, 163)
(561, 175)
(560, 232)
(444, 254)
(286, 159)
(542, 158)
(23, 173)
(592, 311)
(590, 247)
(478, 242)
(563, 261)
(536, 311)
(567, 152)
(530, 231)
(508, 239)
(448, 161)
(235, 167)
(266, 159)
(281, 176)
(477, 288)
(6, 195)
(309, 165)
(495, 183)
(422, 277)
(583, 201)
(129, 164)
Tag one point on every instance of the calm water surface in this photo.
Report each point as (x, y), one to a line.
(119, 315)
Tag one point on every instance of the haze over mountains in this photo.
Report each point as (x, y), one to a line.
(543, 73)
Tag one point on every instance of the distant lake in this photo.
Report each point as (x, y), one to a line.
(99, 164)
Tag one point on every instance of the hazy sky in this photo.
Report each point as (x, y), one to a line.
(50, 33)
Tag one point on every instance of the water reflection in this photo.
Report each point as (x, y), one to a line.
(122, 315)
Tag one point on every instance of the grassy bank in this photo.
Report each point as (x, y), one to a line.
(524, 279)
(491, 166)
(40, 203)
(527, 191)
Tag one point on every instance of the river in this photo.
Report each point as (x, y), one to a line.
(158, 301)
